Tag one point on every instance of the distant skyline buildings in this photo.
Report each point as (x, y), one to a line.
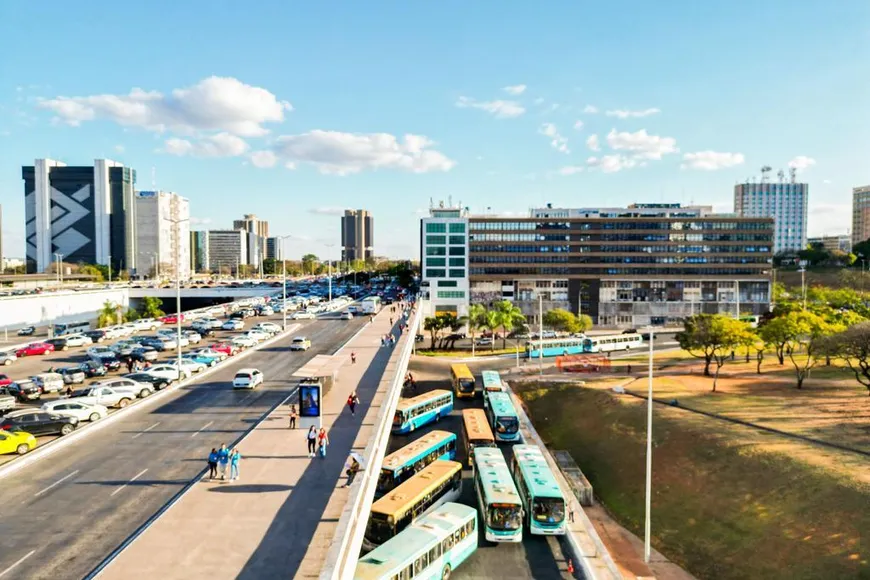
(860, 213)
(357, 235)
(163, 233)
(785, 201)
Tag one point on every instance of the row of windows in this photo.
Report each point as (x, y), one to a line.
(442, 240)
(431, 557)
(443, 228)
(639, 224)
(441, 273)
(681, 249)
(565, 259)
(454, 262)
(447, 284)
(735, 270)
(442, 251)
(430, 405)
(622, 237)
(451, 294)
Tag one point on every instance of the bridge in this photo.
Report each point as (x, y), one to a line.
(135, 502)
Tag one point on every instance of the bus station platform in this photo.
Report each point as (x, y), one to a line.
(278, 519)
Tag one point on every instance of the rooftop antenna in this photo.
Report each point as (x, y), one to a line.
(781, 176)
(153, 178)
(792, 172)
(449, 201)
(764, 171)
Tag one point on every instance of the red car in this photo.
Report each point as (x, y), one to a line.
(224, 347)
(5, 380)
(171, 319)
(34, 349)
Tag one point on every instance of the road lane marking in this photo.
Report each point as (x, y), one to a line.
(146, 430)
(135, 477)
(10, 568)
(55, 484)
(204, 427)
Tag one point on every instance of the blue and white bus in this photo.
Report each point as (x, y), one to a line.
(491, 384)
(400, 465)
(612, 342)
(556, 346)
(413, 413)
(503, 417)
(430, 548)
(497, 496)
(62, 329)
(543, 501)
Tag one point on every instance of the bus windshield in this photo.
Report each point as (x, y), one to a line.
(385, 479)
(482, 443)
(507, 425)
(504, 517)
(397, 418)
(548, 510)
(379, 529)
(466, 386)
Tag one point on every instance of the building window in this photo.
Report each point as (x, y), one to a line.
(460, 262)
(436, 262)
(457, 273)
(447, 284)
(436, 228)
(456, 251)
(435, 273)
(436, 251)
(457, 240)
(430, 240)
(448, 294)
(457, 228)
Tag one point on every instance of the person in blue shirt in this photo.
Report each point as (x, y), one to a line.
(212, 463)
(223, 460)
(235, 457)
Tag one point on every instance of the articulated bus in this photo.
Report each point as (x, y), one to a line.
(417, 411)
(430, 548)
(462, 381)
(476, 431)
(543, 501)
(438, 482)
(555, 347)
(71, 328)
(401, 465)
(503, 417)
(497, 497)
(613, 342)
(491, 384)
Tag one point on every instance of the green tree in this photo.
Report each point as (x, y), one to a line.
(110, 314)
(150, 307)
(435, 325)
(853, 346)
(491, 322)
(777, 333)
(808, 333)
(508, 317)
(270, 266)
(92, 270)
(310, 263)
(131, 315)
(475, 319)
(562, 320)
(712, 337)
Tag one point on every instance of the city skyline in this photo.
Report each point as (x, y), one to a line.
(594, 108)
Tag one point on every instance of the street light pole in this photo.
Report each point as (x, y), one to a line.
(59, 261)
(649, 404)
(284, 283)
(177, 222)
(540, 334)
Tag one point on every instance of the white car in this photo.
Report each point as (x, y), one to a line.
(244, 341)
(210, 352)
(78, 340)
(257, 335)
(300, 343)
(269, 327)
(192, 336)
(73, 408)
(346, 315)
(247, 379)
(233, 324)
(100, 352)
(147, 323)
(191, 366)
(210, 322)
(125, 385)
(168, 372)
(305, 314)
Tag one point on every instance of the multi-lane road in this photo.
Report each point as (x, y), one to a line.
(60, 517)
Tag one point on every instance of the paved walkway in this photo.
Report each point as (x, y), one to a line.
(278, 519)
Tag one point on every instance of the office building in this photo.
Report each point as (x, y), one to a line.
(860, 214)
(163, 236)
(199, 252)
(785, 202)
(840, 243)
(624, 267)
(227, 250)
(357, 235)
(258, 231)
(85, 213)
(2, 257)
(274, 250)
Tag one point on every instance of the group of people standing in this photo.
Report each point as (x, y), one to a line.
(220, 459)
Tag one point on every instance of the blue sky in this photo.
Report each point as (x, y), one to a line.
(295, 111)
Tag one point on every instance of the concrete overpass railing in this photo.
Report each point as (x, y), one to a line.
(60, 306)
(216, 292)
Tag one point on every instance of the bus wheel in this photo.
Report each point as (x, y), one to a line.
(445, 573)
(437, 417)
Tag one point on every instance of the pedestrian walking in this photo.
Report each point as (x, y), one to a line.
(353, 358)
(352, 402)
(351, 471)
(235, 458)
(391, 320)
(223, 460)
(392, 340)
(293, 416)
(129, 365)
(312, 440)
(322, 441)
(371, 317)
(628, 371)
(212, 463)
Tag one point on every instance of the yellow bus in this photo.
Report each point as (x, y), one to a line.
(435, 484)
(477, 432)
(462, 380)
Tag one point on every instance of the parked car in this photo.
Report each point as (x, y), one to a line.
(268, 327)
(265, 311)
(146, 378)
(38, 422)
(171, 319)
(192, 336)
(100, 352)
(23, 390)
(72, 375)
(256, 335)
(225, 347)
(243, 342)
(78, 409)
(128, 385)
(111, 363)
(233, 324)
(7, 358)
(96, 335)
(59, 344)
(144, 354)
(188, 365)
(168, 372)
(346, 315)
(36, 348)
(16, 442)
(98, 394)
(300, 343)
(51, 382)
(208, 361)
(147, 323)
(5, 380)
(247, 379)
(93, 369)
(303, 315)
(211, 353)
(153, 342)
(78, 340)
(26, 331)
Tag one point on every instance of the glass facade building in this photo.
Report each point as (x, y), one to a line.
(785, 202)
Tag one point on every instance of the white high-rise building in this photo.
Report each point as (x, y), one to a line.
(444, 259)
(163, 234)
(785, 202)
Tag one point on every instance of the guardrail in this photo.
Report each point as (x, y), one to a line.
(346, 543)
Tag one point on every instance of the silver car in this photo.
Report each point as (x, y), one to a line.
(7, 358)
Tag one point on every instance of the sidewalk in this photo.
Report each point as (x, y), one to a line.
(278, 519)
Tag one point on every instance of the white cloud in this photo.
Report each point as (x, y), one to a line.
(515, 89)
(571, 169)
(801, 162)
(711, 160)
(344, 153)
(220, 145)
(195, 221)
(213, 104)
(500, 109)
(578, 125)
(624, 114)
(264, 159)
(327, 210)
(119, 148)
(611, 163)
(590, 109)
(828, 218)
(641, 144)
(558, 142)
(592, 143)
(827, 181)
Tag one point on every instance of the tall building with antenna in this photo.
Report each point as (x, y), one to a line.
(784, 200)
(860, 214)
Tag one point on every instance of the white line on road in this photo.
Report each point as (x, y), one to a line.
(55, 484)
(204, 427)
(135, 477)
(10, 568)
(146, 430)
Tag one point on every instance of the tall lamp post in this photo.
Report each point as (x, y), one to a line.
(329, 271)
(59, 274)
(284, 282)
(177, 223)
(649, 414)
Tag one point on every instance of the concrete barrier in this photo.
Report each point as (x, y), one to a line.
(576, 480)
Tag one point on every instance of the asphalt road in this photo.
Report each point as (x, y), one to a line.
(60, 517)
(536, 556)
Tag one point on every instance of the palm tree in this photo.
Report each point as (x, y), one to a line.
(476, 313)
(108, 314)
(508, 317)
(491, 322)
